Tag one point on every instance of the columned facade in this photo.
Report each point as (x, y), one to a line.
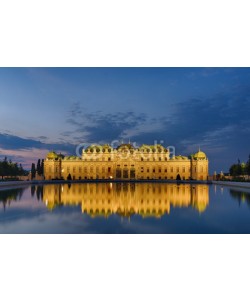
(126, 163)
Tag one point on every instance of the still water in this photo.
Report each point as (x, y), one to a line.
(125, 208)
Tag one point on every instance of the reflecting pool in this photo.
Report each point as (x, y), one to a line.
(125, 208)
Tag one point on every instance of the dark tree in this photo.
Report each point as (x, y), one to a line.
(38, 167)
(69, 177)
(248, 166)
(21, 171)
(42, 167)
(1, 169)
(5, 167)
(33, 171)
(178, 177)
(236, 170)
(9, 168)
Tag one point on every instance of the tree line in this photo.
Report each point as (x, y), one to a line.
(37, 168)
(11, 169)
(240, 169)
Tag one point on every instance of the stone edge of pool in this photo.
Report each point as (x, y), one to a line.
(23, 183)
(233, 184)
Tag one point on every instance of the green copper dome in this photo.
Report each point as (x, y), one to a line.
(52, 155)
(199, 155)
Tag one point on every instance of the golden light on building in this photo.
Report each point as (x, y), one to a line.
(127, 163)
(126, 199)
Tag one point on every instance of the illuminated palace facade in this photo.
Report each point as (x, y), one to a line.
(126, 163)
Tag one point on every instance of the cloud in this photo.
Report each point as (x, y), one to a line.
(28, 150)
(13, 142)
(105, 127)
(26, 156)
(218, 124)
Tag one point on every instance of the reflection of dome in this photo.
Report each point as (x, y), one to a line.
(52, 155)
(200, 206)
(199, 155)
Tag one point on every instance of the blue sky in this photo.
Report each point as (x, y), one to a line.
(58, 108)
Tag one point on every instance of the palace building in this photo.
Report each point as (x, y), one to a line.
(126, 163)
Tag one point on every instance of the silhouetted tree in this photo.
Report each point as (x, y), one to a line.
(236, 170)
(9, 168)
(1, 170)
(248, 166)
(69, 177)
(38, 167)
(5, 167)
(33, 171)
(42, 167)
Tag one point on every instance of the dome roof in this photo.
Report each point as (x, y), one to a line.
(52, 155)
(181, 157)
(199, 155)
(125, 147)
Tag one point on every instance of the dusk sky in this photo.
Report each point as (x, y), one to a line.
(45, 109)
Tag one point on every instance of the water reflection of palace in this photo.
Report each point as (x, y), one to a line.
(125, 199)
